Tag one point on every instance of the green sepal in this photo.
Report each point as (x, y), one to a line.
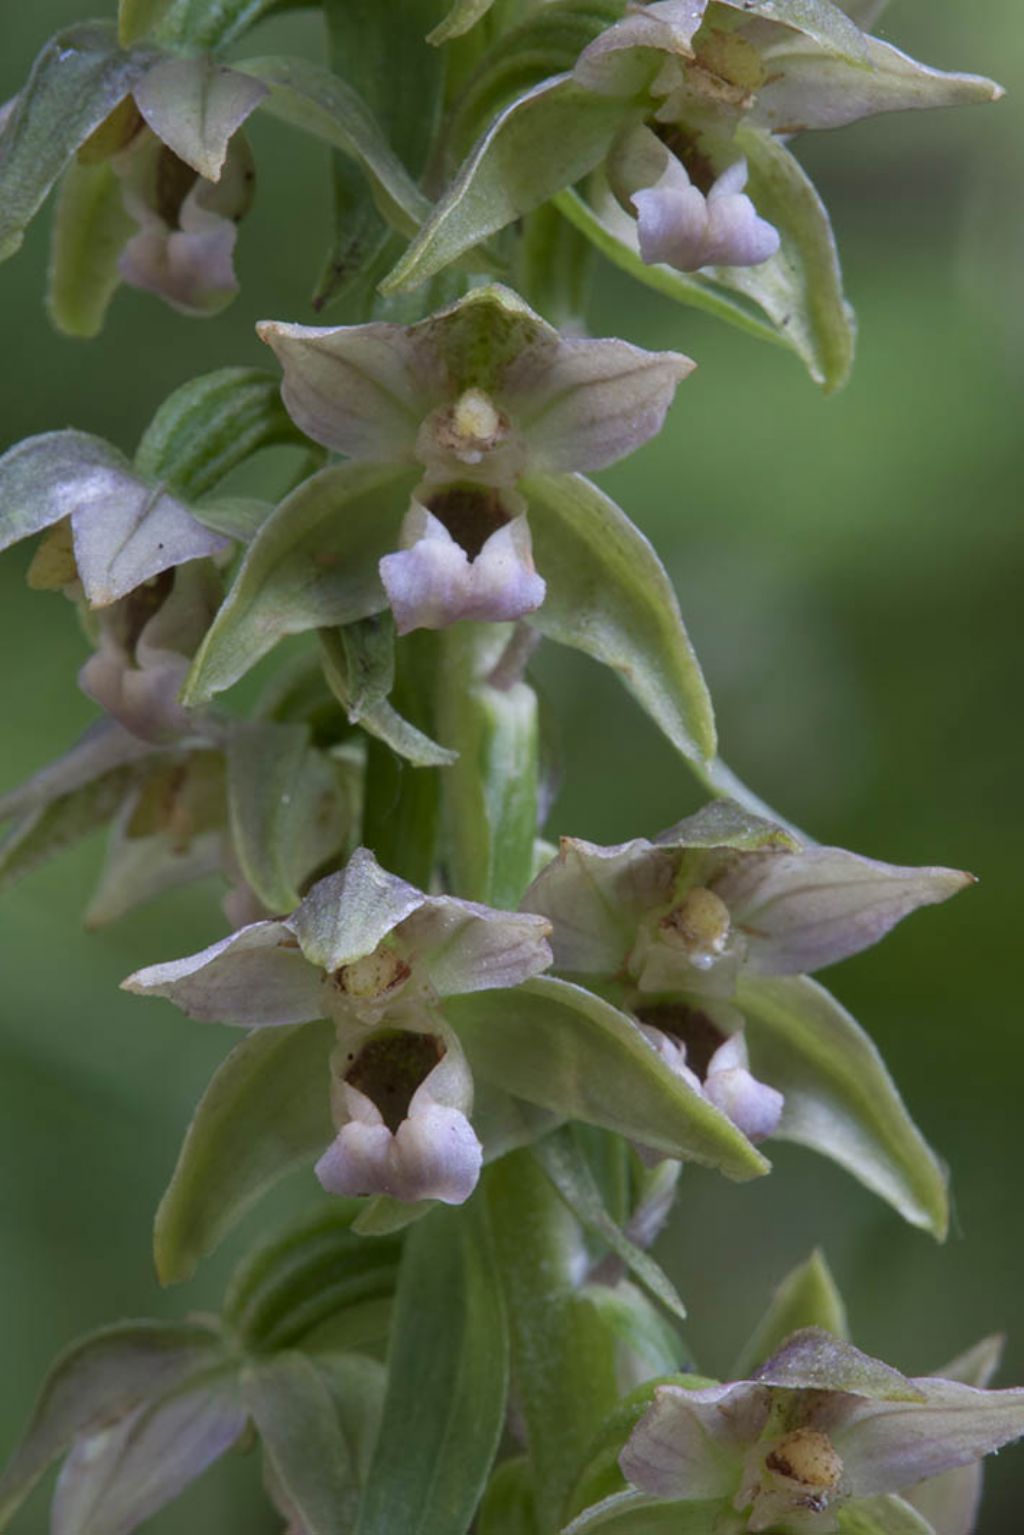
(609, 595)
(312, 565)
(546, 140)
(265, 1112)
(48, 829)
(490, 801)
(648, 1342)
(840, 1099)
(76, 81)
(553, 267)
(311, 98)
(90, 229)
(315, 1271)
(216, 23)
(137, 18)
(807, 1297)
(317, 1421)
(95, 1381)
(444, 1411)
(564, 1163)
(634, 1513)
(463, 15)
(287, 815)
(402, 813)
(826, 24)
(359, 664)
(212, 424)
(559, 1046)
(886, 1515)
(508, 1507)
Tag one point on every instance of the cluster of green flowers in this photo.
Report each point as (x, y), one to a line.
(494, 1054)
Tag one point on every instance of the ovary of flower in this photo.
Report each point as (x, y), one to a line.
(699, 925)
(678, 225)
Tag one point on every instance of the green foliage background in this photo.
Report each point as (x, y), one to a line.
(850, 571)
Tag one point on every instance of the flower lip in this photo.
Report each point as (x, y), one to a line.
(390, 1067)
(691, 1027)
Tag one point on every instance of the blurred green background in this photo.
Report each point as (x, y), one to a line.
(850, 570)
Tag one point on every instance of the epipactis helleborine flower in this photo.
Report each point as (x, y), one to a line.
(186, 178)
(671, 925)
(478, 396)
(377, 956)
(702, 70)
(819, 1425)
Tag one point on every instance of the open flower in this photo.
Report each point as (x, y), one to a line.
(376, 956)
(817, 1427)
(672, 927)
(478, 396)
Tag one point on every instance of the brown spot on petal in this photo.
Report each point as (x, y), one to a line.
(390, 1067)
(174, 181)
(471, 513)
(690, 1026)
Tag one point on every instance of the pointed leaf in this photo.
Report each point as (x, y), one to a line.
(888, 1515)
(545, 141)
(313, 564)
(557, 1045)
(633, 1513)
(448, 1380)
(195, 105)
(265, 1112)
(807, 1297)
(76, 81)
(647, 1342)
(569, 1171)
(463, 15)
(840, 1100)
(137, 17)
(212, 424)
(312, 99)
(507, 1507)
(97, 1380)
(359, 666)
(90, 228)
(125, 530)
(215, 23)
(609, 596)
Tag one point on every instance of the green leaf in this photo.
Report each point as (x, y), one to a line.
(359, 667)
(76, 81)
(563, 1353)
(313, 564)
(447, 1382)
(561, 1158)
(617, 242)
(649, 1342)
(90, 228)
(559, 1046)
(545, 141)
(633, 1513)
(214, 24)
(820, 20)
(95, 1381)
(463, 15)
(313, 1437)
(609, 596)
(840, 1099)
(212, 424)
(807, 1297)
(887, 1515)
(490, 795)
(801, 287)
(265, 1112)
(50, 828)
(287, 816)
(507, 1507)
(554, 267)
(312, 99)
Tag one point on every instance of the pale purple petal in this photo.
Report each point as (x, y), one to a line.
(678, 225)
(886, 1446)
(345, 916)
(801, 911)
(433, 583)
(434, 1153)
(691, 1444)
(950, 1502)
(610, 65)
(195, 105)
(753, 1106)
(594, 897)
(463, 946)
(116, 1479)
(145, 702)
(362, 390)
(257, 977)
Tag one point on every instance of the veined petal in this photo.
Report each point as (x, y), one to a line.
(359, 389)
(594, 897)
(466, 947)
(613, 63)
(800, 911)
(950, 1502)
(808, 88)
(195, 105)
(886, 1446)
(690, 1444)
(257, 977)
